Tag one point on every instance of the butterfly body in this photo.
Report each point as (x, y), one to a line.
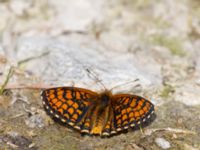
(96, 114)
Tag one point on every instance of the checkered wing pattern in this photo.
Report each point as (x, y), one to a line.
(68, 104)
(130, 110)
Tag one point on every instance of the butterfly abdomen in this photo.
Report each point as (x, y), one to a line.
(100, 119)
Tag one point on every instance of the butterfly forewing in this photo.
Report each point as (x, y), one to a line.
(69, 104)
(130, 110)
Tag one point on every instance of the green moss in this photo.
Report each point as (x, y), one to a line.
(173, 44)
(166, 91)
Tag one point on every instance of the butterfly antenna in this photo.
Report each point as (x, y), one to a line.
(125, 83)
(92, 74)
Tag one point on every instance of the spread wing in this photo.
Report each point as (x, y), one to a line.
(69, 104)
(130, 110)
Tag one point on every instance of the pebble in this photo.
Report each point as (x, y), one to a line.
(35, 121)
(162, 143)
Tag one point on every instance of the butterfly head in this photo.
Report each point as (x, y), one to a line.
(105, 97)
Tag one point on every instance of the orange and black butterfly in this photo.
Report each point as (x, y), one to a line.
(96, 114)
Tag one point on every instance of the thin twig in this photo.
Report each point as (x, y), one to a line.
(31, 58)
(141, 129)
(150, 131)
(16, 116)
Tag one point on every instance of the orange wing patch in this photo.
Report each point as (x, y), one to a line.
(131, 110)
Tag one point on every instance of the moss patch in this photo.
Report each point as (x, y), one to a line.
(166, 91)
(173, 44)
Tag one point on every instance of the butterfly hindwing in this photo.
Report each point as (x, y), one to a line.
(130, 110)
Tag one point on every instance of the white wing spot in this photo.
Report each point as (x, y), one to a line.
(85, 131)
(57, 116)
(105, 133)
(47, 107)
(63, 120)
(126, 127)
(119, 129)
(71, 123)
(77, 127)
(132, 125)
(113, 132)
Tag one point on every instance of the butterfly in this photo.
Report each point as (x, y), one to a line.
(95, 113)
